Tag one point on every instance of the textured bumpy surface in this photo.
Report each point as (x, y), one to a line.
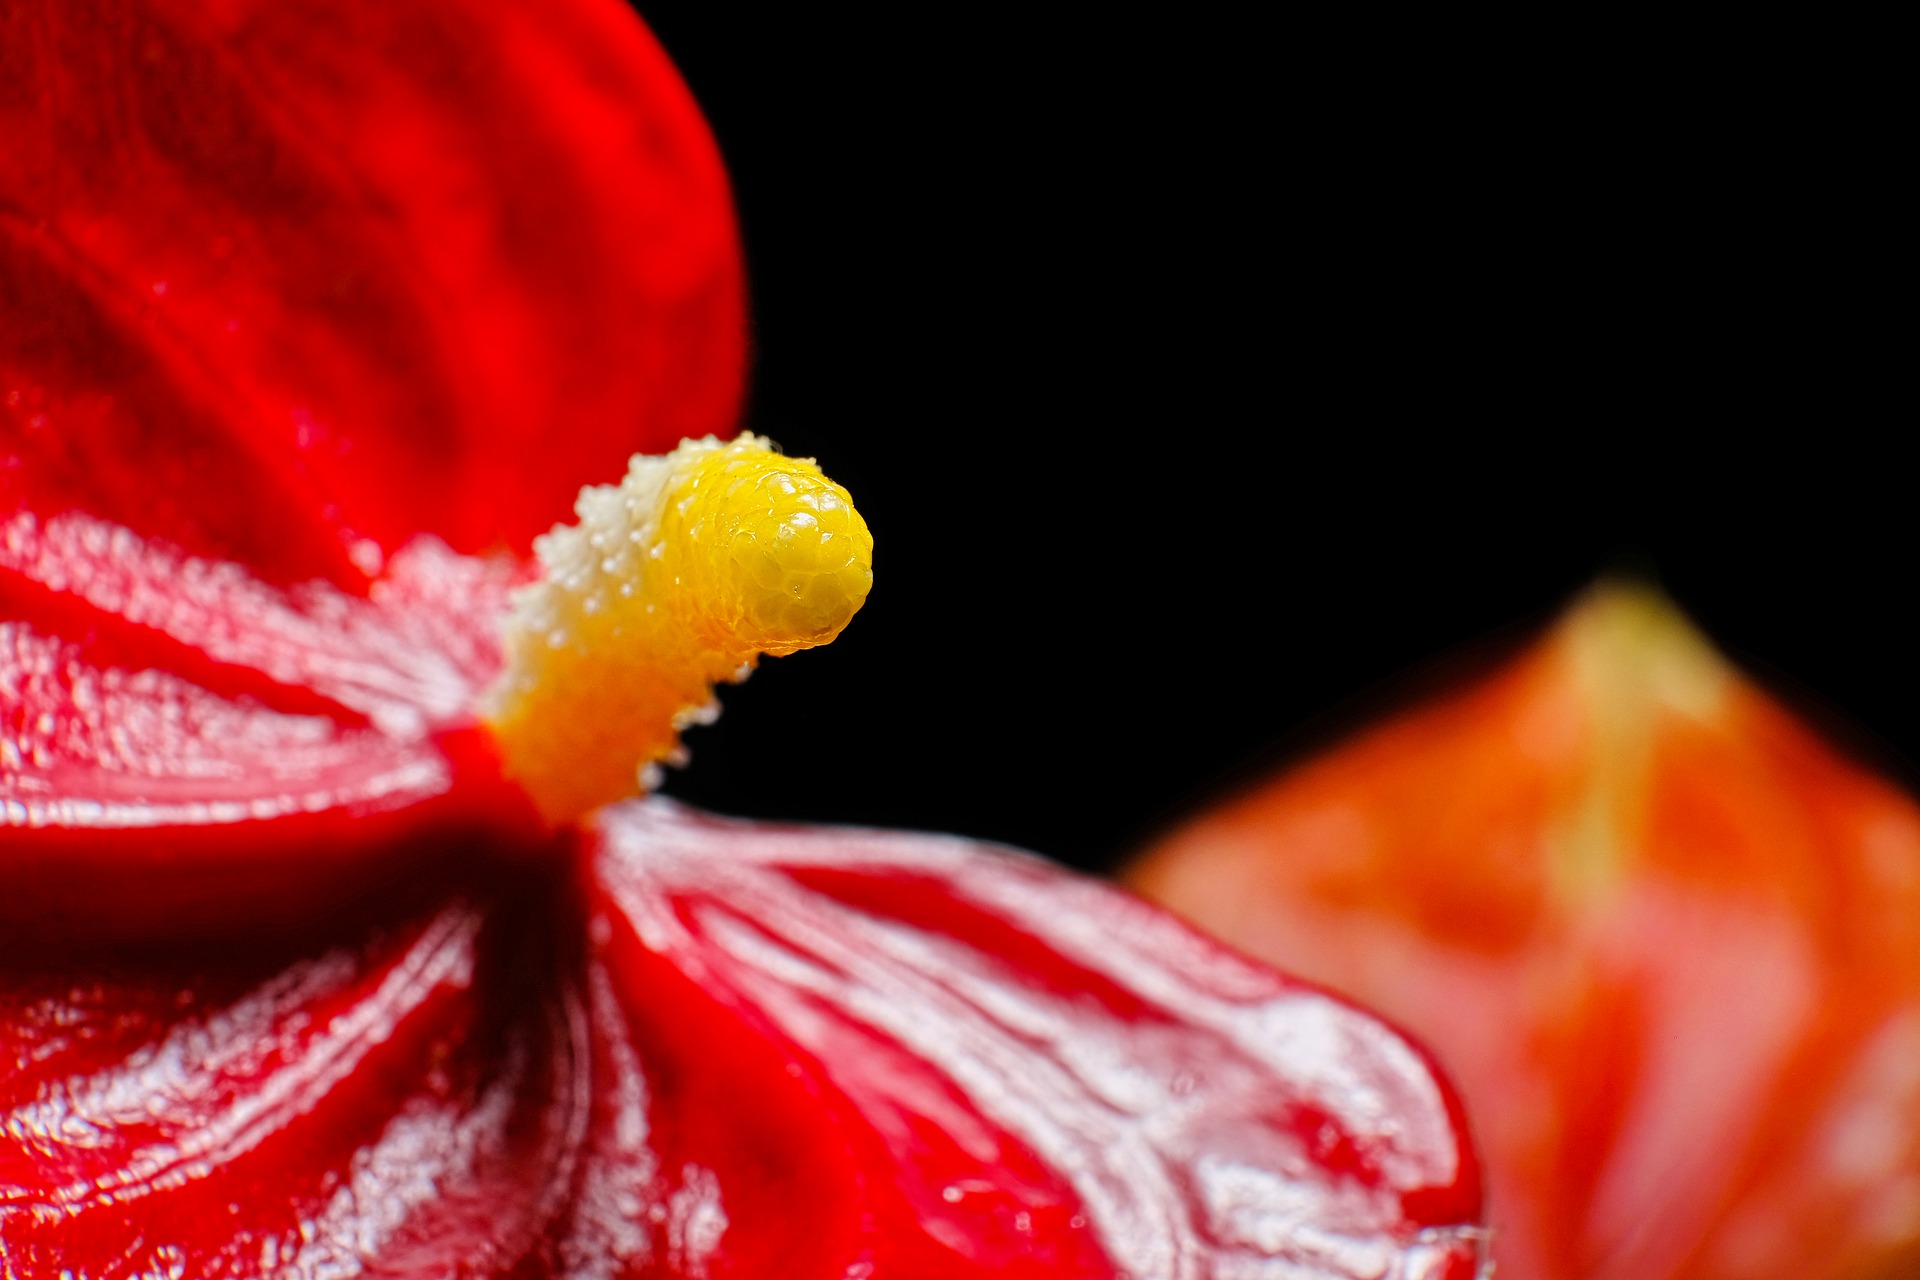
(735, 1051)
(1668, 939)
(680, 576)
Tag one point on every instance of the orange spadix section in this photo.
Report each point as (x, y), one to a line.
(677, 578)
(1665, 938)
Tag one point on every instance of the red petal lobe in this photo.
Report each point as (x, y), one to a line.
(777, 1052)
(301, 306)
(1027, 1073)
(384, 268)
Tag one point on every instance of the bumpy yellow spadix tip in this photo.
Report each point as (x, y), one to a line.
(677, 578)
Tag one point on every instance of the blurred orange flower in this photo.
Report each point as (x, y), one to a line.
(1664, 934)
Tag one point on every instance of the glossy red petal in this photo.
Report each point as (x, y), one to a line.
(299, 305)
(915, 1056)
(412, 1096)
(263, 741)
(778, 1052)
(279, 279)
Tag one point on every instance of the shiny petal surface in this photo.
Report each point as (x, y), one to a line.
(736, 1051)
(288, 284)
(303, 307)
(1667, 939)
(311, 315)
(916, 1056)
(411, 1099)
(182, 742)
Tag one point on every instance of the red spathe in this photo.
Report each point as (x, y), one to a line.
(311, 316)
(734, 1050)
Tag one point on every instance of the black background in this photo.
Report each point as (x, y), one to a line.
(1200, 381)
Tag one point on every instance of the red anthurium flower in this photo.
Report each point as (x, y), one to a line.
(1668, 938)
(317, 955)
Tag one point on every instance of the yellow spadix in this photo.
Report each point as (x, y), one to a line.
(675, 579)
